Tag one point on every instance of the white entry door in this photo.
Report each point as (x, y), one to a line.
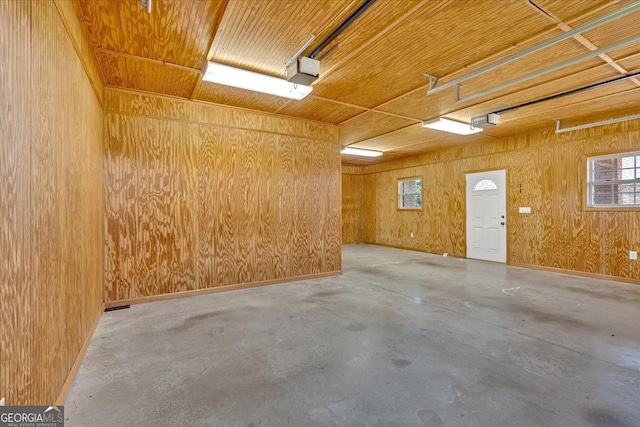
(486, 216)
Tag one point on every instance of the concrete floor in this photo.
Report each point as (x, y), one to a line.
(400, 339)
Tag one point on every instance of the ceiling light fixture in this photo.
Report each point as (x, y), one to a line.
(360, 152)
(451, 126)
(243, 79)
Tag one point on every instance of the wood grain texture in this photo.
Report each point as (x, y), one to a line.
(402, 53)
(16, 292)
(51, 202)
(261, 32)
(193, 203)
(577, 12)
(207, 291)
(219, 94)
(370, 125)
(133, 72)
(544, 171)
(175, 32)
(144, 105)
(68, 10)
(371, 79)
(352, 205)
(324, 110)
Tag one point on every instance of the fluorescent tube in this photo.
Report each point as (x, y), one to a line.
(451, 126)
(360, 152)
(243, 79)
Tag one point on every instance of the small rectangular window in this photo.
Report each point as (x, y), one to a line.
(410, 193)
(613, 180)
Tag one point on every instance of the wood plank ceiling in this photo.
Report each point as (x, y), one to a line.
(371, 80)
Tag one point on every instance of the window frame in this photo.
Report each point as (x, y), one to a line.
(587, 181)
(400, 194)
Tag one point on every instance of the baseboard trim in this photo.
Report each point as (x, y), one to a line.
(184, 294)
(405, 248)
(577, 273)
(531, 266)
(66, 387)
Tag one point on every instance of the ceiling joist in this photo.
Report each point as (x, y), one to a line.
(371, 83)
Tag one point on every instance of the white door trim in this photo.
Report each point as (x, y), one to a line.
(486, 211)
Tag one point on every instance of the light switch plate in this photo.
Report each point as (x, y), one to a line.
(524, 209)
(633, 255)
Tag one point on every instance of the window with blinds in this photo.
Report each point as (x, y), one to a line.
(614, 180)
(410, 193)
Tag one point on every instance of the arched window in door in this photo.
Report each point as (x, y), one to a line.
(485, 184)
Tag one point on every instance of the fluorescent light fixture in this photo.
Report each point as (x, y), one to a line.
(243, 79)
(360, 152)
(451, 126)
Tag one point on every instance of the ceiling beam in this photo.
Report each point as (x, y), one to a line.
(484, 60)
(425, 86)
(145, 59)
(582, 39)
(203, 67)
(365, 109)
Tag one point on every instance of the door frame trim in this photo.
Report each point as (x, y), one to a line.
(506, 208)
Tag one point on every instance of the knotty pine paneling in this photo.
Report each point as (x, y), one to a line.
(544, 171)
(51, 232)
(201, 196)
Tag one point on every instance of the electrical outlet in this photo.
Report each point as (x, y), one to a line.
(2, 402)
(633, 255)
(412, 235)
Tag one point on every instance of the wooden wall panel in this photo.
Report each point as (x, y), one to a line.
(16, 294)
(207, 190)
(301, 220)
(285, 182)
(265, 227)
(138, 104)
(332, 232)
(544, 171)
(194, 203)
(69, 14)
(352, 203)
(226, 247)
(51, 235)
(144, 74)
